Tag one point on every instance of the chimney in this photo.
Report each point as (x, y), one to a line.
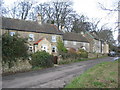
(39, 19)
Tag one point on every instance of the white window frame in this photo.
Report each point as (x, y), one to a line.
(12, 33)
(53, 39)
(55, 48)
(74, 43)
(42, 47)
(31, 36)
(31, 48)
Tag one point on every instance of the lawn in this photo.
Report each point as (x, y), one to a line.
(103, 75)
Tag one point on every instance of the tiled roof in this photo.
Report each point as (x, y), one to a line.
(70, 36)
(30, 26)
(95, 35)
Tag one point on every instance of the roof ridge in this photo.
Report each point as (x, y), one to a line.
(31, 26)
(18, 19)
(75, 37)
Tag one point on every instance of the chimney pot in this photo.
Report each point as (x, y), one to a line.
(39, 19)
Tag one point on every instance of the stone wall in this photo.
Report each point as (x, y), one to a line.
(70, 44)
(18, 67)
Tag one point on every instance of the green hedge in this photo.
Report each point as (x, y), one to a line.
(41, 59)
(72, 55)
(83, 53)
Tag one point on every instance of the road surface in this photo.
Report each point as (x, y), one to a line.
(55, 77)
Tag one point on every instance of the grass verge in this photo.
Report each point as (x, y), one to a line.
(104, 75)
(78, 60)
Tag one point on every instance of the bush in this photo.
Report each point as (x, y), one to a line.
(82, 53)
(60, 46)
(69, 56)
(41, 59)
(72, 54)
(13, 49)
(72, 50)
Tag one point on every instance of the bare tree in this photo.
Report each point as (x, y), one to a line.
(49, 13)
(20, 9)
(106, 35)
(38, 9)
(24, 9)
(62, 9)
(80, 24)
(2, 8)
(94, 24)
(115, 8)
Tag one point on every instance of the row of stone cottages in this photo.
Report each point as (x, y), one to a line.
(45, 36)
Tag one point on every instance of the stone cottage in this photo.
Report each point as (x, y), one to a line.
(36, 32)
(76, 41)
(96, 44)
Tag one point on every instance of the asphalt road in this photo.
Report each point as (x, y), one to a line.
(55, 77)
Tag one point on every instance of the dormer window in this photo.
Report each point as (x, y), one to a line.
(53, 39)
(31, 37)
(12, 33)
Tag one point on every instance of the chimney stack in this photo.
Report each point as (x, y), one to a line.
(39, 19)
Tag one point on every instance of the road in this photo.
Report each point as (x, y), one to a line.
(55, 77)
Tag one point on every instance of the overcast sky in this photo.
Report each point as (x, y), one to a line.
(91, 9)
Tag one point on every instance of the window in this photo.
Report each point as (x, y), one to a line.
(44, 47)
(74, 43)
(65, 42)
(31, 37)
(54, 49)
(12, 33)
(31, 48)
(53, 38)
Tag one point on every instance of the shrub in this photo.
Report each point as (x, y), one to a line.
(60, 46)
(13, 49)
(73, 54)
(72, 50)
(41, 59)
(83, 53)
(68, 56)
